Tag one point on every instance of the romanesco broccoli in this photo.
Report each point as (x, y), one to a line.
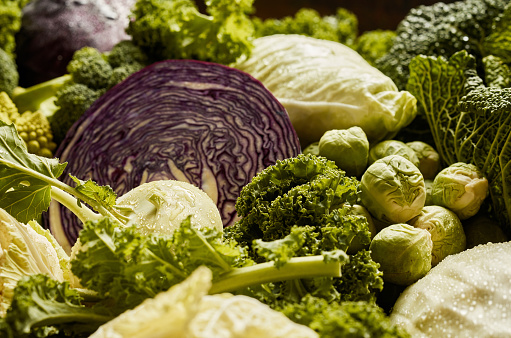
(8, 110)
(33, 127)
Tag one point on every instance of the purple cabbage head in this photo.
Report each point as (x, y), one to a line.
(52, 30)
(207, 124)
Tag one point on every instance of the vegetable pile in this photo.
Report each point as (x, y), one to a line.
(115, 266)
(214, 172)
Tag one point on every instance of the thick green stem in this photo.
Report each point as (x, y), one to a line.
(297, 267)
(82, 212)
(42, 94)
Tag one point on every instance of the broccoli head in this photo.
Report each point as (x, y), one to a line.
(10, 23)
(72, 100)
(8, 73)
(441, 30)
(126, 53)
(90, 67)
(372, 45)
(341, 27)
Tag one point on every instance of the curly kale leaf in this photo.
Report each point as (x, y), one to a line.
(341, 319)
(470, 121)
(306, 201)
(298, 191)
(42, 307)
(442, 30)
(171, 29)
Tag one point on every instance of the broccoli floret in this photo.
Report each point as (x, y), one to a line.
(341, 27)
(440, 30)
(90, 67)
(9, 76)
(73, 100)
(342, 319)
(126, 53)
(372, 45)
(10, 23)
(33, 127)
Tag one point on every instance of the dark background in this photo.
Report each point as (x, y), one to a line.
(371, 14)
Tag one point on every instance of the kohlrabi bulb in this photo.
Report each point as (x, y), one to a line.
(161, 206)
(392, 147)
(403, 252)
(446, 231)
(429, 159)
(393, 190)
(460, 187)
(348, 148)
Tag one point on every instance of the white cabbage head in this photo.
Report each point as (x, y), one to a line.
(326, 85)
(26, 249)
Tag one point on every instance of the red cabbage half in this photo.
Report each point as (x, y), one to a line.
(210, 125)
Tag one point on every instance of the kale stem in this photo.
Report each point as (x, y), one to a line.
(295, 268)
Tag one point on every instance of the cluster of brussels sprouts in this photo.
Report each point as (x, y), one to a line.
(417, 207)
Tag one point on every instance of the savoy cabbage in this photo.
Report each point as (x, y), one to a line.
(469, 120)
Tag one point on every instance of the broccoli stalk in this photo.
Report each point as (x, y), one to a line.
(41, 96)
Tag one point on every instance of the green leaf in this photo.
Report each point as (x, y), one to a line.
(438, 84)
(24, 196)
(281, 250)
(104, 195)
(129, 266)
(42, 306)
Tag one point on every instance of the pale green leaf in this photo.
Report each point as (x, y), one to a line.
(22, 195)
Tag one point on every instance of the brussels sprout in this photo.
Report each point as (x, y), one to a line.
(357, 242)
(403, 252)
(392, 147)
(481, 229)
(429, 159)
(312, 148)
(461, 188)
(348, 148)
(393, 190)
(446, 231)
